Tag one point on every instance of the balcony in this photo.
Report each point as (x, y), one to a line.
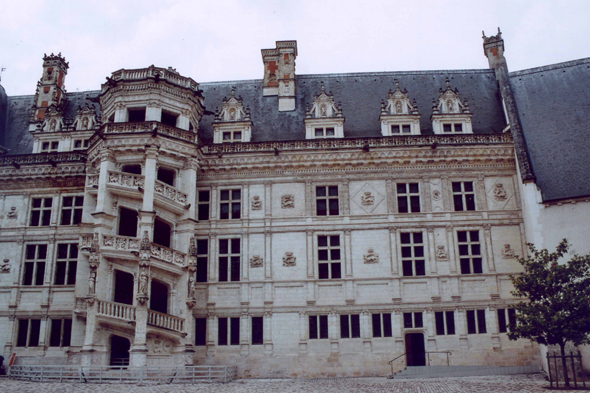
(165, 321)
(152, 127)
(119, 311)
(169, 197)
(125, 184)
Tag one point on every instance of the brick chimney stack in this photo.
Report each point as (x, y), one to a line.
(279, 74)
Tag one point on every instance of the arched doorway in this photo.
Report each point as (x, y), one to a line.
(159, 297)
(415, 350)
(119, 351)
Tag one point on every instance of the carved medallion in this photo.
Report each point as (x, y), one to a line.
(12, 214)
(500, 192)
(508, 252)
(5, 267)
(367, 199)
(256, 203)
(289, 259)
(436, 195)
(371, 256)
(288, 201)
(256, 261)
(441, 253)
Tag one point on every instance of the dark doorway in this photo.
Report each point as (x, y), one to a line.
(162, 233)
(159, 297)
(123, 287)
(127, 222)
(415, 351)
(120, 351)
(166, 175)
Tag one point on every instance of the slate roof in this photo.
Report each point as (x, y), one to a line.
(553, 103)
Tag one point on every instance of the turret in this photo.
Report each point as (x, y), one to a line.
(51, 90)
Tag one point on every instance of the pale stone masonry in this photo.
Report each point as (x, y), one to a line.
(350, 220)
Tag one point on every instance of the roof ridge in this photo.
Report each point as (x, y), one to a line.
(556, 66)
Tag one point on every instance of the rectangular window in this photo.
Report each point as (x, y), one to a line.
(28, 332)
(229, 259)
(232, 136)
(413, 320)
(201, 331)
(80, 144)
(41, 212)
(413, 263)
(506, 317)
(408, 197)
(476, 321)
(327, 132)
(50, 146)
(230, 204)
(202, 259)
(228, 331)
(136, 115)
(66, 264)
(318, 327)
(381, 325)
(61, 333)
(445, 322)
(452, 127)
(400, 129)
(329, 265)
(203, 205)
(350, 326)
(469, 252)
(327, 201)
(71, 210)
(463, 196)
(257, 330)
(34, 271)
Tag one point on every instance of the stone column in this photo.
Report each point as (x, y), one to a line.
(244, 331)
(397, 330)
(120, 113)
(11, 335)
(151, 158)
(103, 199)
(268, 255)
(366, 330)
(309, 196)
(211, 330)
(492, 325)
(213, 249)
(480, 194)
(487, 246)
(451, 245)
(153, 112)
(431, 258)
(461, 328)
(268, 345)
(333, 330)
(393, 251)
(425, 195)
(389, 189)
(43, 331)
(344, 196)
(430, 329)
(267, 199)
(2, 207)
(183, 121)
(303, 332)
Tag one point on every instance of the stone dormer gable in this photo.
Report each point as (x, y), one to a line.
(324, 118)
(399, 115)
(450, 113)
(85, 118)
(54, 119)
(232, 123)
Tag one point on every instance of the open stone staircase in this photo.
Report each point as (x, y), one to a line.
(462, 371)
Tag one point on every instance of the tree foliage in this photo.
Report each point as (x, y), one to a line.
(557, 305)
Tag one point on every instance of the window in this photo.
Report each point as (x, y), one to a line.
(50, 146)
(413, 320)
(408, 198)
(202, 259)
(350, 326)
(166, 175)
(502, 325)
(71, 210)
(469, 252)
(229, 259)
(228, 331)
(34, 271)
(401, 129)
(201, 331)
(28, 332)
(80, 144)
(452, 127)
(318, 327)
(257, 331)
(445, 322)
(327, 201)
(41, 212)
(132, 168)
(476, 321)
(136, 115)
(324, 132)
(381, 325)
(203, 205)
(61, 333)
(66, 264)
(329, 257)
(413, 263)
(232, 136)
(230, 205)
(463, 195)
(169, 118)
(162, 232)
(128, 222)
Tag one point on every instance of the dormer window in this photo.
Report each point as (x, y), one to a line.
(324, 118)
(450, 114)
(50, 146)
(399, 115)
(232, 123)
(85, 118)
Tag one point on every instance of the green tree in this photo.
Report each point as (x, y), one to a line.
(557, 306)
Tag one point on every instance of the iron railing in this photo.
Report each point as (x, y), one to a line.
(574, 369)
(122, 374)
(448, 353)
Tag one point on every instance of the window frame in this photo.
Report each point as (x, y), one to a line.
(71, 264)
(327, 199)
(202, 272)
(413, 259)
(230, 263)
(324, 132)
(37, 262)
(506, 316)
(382, 329)
(351, 321)
(64, 335)
(329, 262)
(466, 203)
(29, 332)
(231, 203)
(443, 324)
(453, 128)
(205, 204)
(476, 319)
(257, 333)
(42, 209)
(401, 127)
(409, 197)
(231, 324)
(473, 262)
(232, 136)
(415, 319)
(73, 208)
(318, 327)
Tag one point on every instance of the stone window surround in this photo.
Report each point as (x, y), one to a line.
(203, 203)
(509, 315)
(230, 201)
(337, 123)
(36, 261)
(28, 334)
(444, 314)
(407, 194)
(318, 327)
(385, 329)
(455, 118)
(483, 249)
(204, 258)
(413, 320)
(69, 262)
(64, 336)
(389, 120)
(72, 208)
(327, 198)
(153, 111)
(341, 247)
(463, 194)
(229, 255)
(475, 316)
(41, 209)
(352, 320)
(427, 257)
(230, 325)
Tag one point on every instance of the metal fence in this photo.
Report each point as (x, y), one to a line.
(116, 374)
(574, 375)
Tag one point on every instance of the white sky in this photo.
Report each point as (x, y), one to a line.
(218, 40)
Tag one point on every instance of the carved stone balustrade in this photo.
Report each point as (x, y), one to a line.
(43, 158)
(151, 72)
(126, 179)
(152, 127)
(170, 192)
(123, 243)
(165, 321)
(115, 310)
(168, 255)
(92, 180)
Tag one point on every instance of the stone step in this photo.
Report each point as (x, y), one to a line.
(463, 371)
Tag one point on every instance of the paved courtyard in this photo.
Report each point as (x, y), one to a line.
(532, 383)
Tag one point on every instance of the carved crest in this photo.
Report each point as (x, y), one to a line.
(371, 257)
(256, 203)
(367, 199)
(287, 201)
(85, 118)
(441, 253)
(256, 261)
(12, 214)
(5, 267)
(289, 259)
(508, 252)
(500, 192)
(323, 106)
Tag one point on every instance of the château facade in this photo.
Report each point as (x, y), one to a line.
(295, 225)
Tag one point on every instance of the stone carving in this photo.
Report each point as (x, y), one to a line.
(371, 257)
(5, 267)
(367, 199)
(12, 214)
(441, 253)
(508, 252)
(142, 291)
(256, 261)
(158, 345)
(500, 192)
(288, 201)
(256, 203)
(289, 259)
(436, 195)
(92, 282)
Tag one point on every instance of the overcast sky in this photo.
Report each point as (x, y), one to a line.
(218, 40)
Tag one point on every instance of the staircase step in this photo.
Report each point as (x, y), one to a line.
(463, 371)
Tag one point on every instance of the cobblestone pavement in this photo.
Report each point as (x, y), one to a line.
(532, 383)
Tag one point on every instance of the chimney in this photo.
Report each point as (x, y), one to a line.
(279, 74)
(50, 88)
(493, 48)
